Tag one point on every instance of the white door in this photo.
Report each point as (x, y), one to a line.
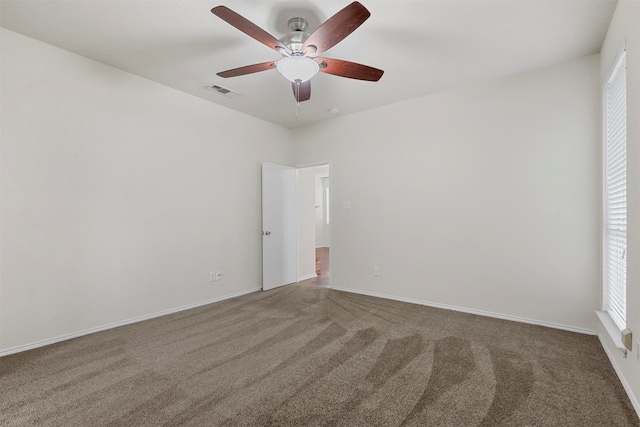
(279, 239)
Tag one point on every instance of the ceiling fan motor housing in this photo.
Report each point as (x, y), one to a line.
(296, 36)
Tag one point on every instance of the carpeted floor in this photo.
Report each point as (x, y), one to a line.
(306, 355)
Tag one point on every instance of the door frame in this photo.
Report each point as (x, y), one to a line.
(331, 205)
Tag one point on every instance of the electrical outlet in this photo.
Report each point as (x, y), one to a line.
(376, 271)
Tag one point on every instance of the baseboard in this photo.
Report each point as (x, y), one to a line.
(623, 380)
(307, 277)
(65, 337)
(471, 311)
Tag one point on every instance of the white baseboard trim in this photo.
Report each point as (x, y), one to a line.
(471, 311)
(307, 277)
(623, 380)
(65, 337)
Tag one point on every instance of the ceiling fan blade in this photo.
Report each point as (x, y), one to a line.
(248, 69)
(335, 29)
(351, 70)
(249, 28)
(302, 92)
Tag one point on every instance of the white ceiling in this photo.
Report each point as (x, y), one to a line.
(423, 46)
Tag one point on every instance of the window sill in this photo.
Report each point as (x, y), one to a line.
(612, 330)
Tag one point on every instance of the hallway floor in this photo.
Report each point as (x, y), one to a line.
(322, 264)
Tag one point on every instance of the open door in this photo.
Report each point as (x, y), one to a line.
(279, 238)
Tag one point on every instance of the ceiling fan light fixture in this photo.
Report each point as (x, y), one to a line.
(297, 68)
(301, 50)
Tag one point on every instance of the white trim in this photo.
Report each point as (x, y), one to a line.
(65, 337)
(297, 200)
(472, 311)
(325, 163)
(314, 164)
(331, 207)
(623, 380)
(612, 67)
(613, 330)
(307, 277)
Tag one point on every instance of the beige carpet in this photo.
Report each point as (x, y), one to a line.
(305, 355)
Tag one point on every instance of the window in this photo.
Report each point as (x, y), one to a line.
(615, 193)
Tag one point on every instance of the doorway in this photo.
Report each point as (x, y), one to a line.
(314, 224)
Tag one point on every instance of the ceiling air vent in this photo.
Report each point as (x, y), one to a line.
(223, 91)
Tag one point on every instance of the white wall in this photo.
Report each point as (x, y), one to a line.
(322, 229)
(306, 224)
(119, 195)
(484, 197)
(625, 27)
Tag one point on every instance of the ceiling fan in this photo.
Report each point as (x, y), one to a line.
(300, 50)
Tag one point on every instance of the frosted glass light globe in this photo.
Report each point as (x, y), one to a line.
(295, 68)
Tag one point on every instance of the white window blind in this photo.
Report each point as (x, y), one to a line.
(615, 198)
